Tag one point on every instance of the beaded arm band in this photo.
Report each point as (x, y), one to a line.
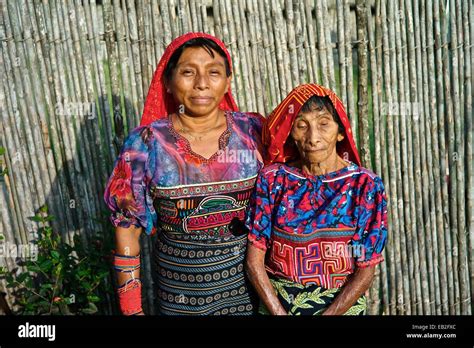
(129, 294)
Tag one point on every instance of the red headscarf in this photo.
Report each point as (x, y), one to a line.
(159, 103)
(279, 123)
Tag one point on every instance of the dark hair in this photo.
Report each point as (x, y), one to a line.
(319, 103)
(205, 43)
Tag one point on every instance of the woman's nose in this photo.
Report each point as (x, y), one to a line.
(313, 136)
(201, 81)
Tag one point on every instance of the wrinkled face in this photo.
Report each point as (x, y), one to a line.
(199, 81)
(316, 134)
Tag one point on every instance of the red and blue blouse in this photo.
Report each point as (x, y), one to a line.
(317, 229)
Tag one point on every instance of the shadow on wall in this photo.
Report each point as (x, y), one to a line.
(90, 146)
(89, 138)
(94, 142)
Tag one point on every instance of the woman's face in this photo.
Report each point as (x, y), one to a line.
(199, 81)
(316, 134)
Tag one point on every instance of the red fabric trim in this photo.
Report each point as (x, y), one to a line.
(370, 263)
(278, 126)
(159, 103)
(259, 243)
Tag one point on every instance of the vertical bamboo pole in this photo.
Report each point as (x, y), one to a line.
(156, 30)
(423, 106)
(451, 94)
(231, 43)
(303, 60)
(205, 26)
(468, 18)
(123, 125)
(294, 66)
(436, 91)
(375, 304)
(313, 52)
(329, 46)
(167, 32)
(194, 16)
(363, 100)
(183, 14)
(443, 87)
(243, 49)
(271, 75)
(429, 209)
(375, 29)
(396, 277)
(422, 291)
(280, 44)
(144, 73)
(400, 144)
(349, 75)
(459, 238)
(148, 41)
(323, 54)
(406, 175)
(341, 45)
(255, 46)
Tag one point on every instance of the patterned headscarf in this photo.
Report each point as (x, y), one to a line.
(159, 103)
(279, 123)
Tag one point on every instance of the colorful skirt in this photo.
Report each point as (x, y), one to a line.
(203, 278)
(299, 299)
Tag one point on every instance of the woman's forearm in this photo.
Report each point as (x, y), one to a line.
(354, 288)
(127, 264)
(127, 242)
(260, 281)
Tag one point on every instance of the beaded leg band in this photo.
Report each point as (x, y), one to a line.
(126, 264)
(130, 297)
(129, 294)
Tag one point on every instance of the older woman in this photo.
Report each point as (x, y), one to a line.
(317, 219)
(187, 173)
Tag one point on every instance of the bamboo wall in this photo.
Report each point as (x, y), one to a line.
(75, 74)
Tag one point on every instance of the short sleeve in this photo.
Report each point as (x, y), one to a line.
(371, 234)
(258, 218)
(127, 192)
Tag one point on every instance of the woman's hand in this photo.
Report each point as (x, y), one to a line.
(258, 277)
(355, 287)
